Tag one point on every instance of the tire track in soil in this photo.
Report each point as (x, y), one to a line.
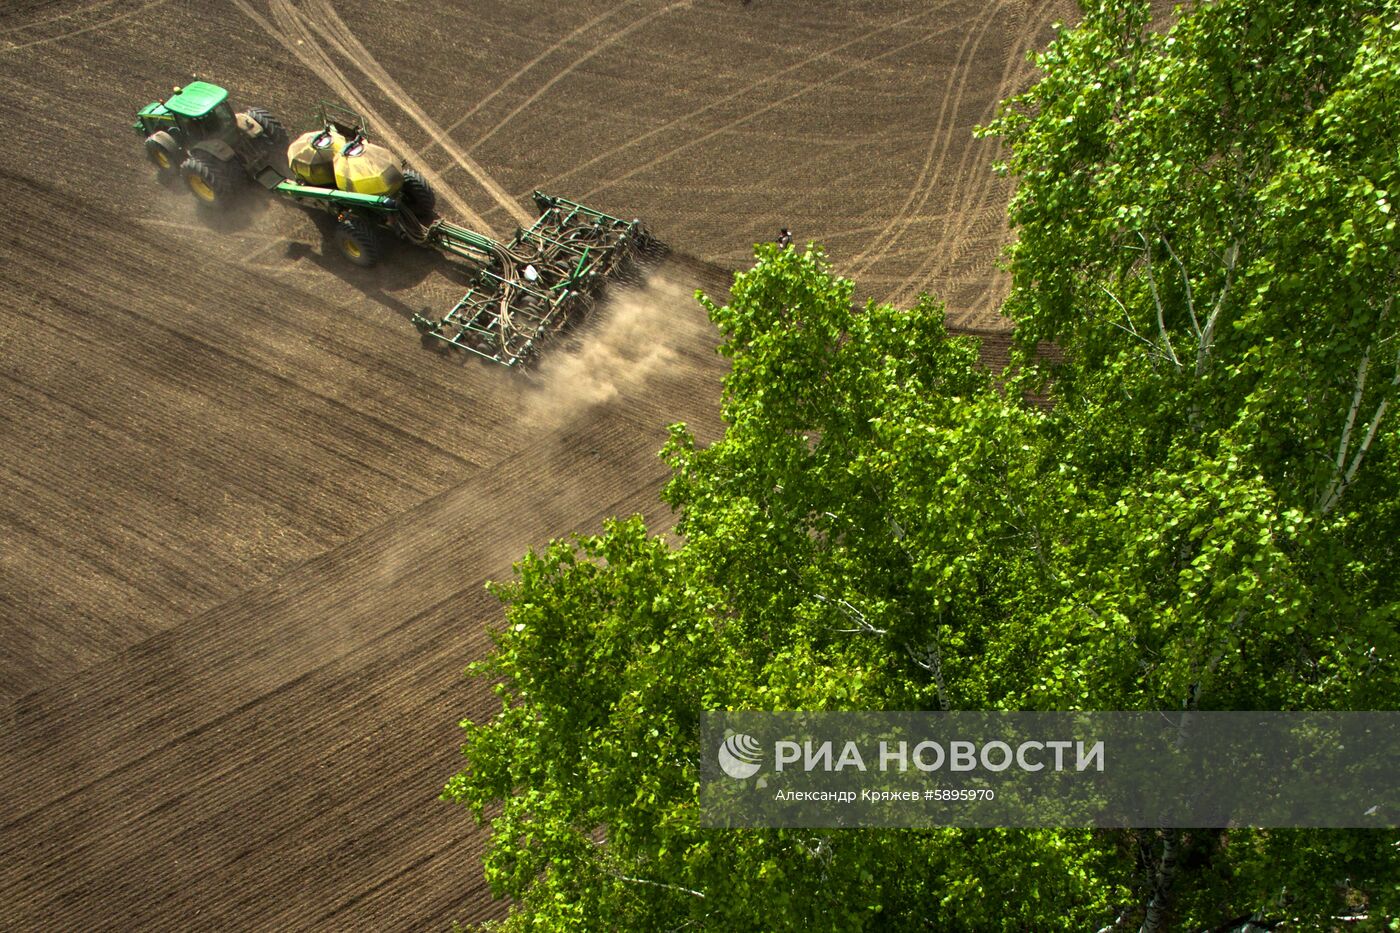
(243, 708)
(976, 201)
(986, 203)
(975, 204)
(111, 21)
(719, 102)
(739, 121)
(334, 30)
(296, 39)
(410, 565)
(525, 69)
(190, 228)
(80, 11)
(938, 143)
(611, 39)
(144, 429)
(872, 228)
(686, 362)
(733, 125)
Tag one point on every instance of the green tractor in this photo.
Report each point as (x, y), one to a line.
(198, 135)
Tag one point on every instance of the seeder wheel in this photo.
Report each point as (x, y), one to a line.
(357, 241)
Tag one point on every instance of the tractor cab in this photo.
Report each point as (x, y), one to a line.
(202, 111)
(196, 112)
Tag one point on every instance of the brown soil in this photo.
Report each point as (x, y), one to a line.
(246, 518)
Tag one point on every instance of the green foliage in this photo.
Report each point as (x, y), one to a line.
(1205, 518)
(1204, 227)
(812, 548)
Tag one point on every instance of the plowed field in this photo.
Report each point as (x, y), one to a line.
(246, 519)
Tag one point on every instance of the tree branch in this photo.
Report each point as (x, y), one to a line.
(1344, 472)
(1185, 280)
(855, 615)
(1131, 328)
(1361, 370)
(932, 661)
(1371, 429)
(660, 884)
(1207, 337)
(1157, 300)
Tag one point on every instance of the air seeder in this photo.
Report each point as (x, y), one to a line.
(540, 281)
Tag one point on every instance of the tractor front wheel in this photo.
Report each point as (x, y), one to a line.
(210, 181)
(164, 153)
(357, 241)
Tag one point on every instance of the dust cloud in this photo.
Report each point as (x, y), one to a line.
(635, 334)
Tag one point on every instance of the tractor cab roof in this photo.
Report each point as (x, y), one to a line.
(196, 99)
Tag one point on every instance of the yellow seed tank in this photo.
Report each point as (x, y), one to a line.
(311, 157)
(365, 168)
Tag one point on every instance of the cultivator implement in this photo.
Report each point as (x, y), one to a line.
(544, 279)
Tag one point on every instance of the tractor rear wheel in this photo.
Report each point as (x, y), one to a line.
(358, 241)
(164, 153)
(210, 181)
(273, 130)
(417, 195)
